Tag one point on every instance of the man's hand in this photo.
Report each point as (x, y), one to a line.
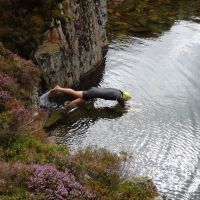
(63, 108)
(55, 89)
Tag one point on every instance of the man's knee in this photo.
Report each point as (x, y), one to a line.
(80, 94)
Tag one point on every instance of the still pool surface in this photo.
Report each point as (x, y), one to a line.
(161, 130)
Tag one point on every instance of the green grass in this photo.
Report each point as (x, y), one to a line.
(27, 148)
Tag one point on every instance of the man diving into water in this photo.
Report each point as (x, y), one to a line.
(94, 92)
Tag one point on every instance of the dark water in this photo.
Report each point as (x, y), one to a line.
(162, 128)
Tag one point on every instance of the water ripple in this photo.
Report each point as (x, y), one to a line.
(163, 133)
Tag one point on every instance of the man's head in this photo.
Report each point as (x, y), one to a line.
(126, 96)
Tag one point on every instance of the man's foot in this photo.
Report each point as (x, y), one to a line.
(55, 89)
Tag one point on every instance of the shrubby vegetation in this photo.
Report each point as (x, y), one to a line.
(32, 167)
(22, 23)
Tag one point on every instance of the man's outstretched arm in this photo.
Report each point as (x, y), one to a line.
(74, 102)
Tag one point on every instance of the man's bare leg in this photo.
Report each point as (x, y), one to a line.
(77, 94)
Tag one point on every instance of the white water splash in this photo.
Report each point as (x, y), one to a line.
(45, 102)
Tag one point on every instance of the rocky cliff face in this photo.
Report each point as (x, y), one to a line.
(73, 46)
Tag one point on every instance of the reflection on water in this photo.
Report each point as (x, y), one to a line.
(150, 18)
(163, 74)
(88, 113)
